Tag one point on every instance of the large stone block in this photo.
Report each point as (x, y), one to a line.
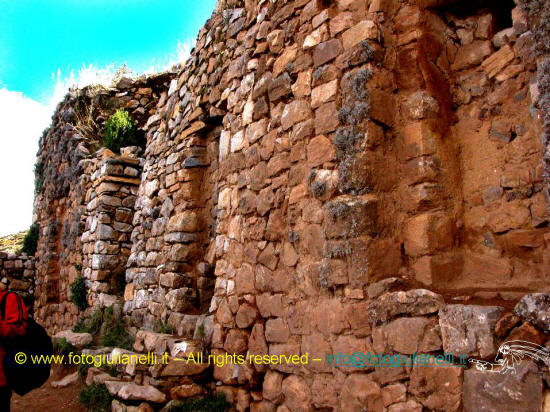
(186, 221)
(351, 216)
(359, 393)
(324, 93)
(297, 394)
(437, 271)
(469, 330)
(361, 31)
(326, 52)
(320, 150)
(508, 392)
(408, 336)
(326, 118)
(472, 54)
(420, 139)
(415, 302)
(295, 112)
(438, 387)
(427, 233)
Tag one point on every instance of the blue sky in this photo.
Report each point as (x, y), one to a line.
(46, 45)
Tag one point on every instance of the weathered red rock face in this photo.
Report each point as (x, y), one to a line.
(314, 162)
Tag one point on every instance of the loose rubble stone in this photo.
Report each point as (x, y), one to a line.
(413, 303)
(535, 308)
(78, 340)
(66, 381)
(133, 392)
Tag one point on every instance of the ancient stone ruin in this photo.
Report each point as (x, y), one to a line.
(320, 177)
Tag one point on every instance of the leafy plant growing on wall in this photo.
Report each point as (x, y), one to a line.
(114, 330)
(30, 243)
(39, 177)
(63, 347)
(78, 293)
(91, 324)
(120, 131)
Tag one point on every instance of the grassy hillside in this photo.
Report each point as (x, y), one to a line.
(12, 243)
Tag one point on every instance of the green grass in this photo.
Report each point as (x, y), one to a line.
(63, 347)
(96, 398)
(167, 328)
(109, 325)
(210, 403)
(91, 325)
(114, 331)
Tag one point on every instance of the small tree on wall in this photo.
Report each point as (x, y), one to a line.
(30, 243)
(120, 131)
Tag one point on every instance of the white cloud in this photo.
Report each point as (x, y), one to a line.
(182, 53)
(22, 121)
(91, 74)
(86, 76)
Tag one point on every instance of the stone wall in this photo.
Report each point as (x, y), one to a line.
(67, 157)
(311, 166)
(338, 144)
(18, 272)
(106, 240)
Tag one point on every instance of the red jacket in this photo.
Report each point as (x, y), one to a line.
(14, 323)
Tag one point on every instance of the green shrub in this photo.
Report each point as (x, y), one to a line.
(114, 331)
(120, 131)
(63, 347)
(83, 369)
(110, 369)
(96, 398)
(79, 294)
(165, 327)
(91, 325)
(30, 243)
(210, 403)
(200, 332)
(39, 177)
(110, 324)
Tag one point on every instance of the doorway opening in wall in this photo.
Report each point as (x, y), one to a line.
(500, 10)
(206, 277)
(117, 282)
(54, 265)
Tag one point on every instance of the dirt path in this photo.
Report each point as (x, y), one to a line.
(48, 399)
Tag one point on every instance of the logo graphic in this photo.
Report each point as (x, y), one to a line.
(510, 354)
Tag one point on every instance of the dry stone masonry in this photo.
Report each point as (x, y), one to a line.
(68, 171)
(17, 272)
(320, 177)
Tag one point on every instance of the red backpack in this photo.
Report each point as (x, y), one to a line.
(21, 373)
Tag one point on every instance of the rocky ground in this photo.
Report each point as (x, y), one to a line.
(12, 243)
